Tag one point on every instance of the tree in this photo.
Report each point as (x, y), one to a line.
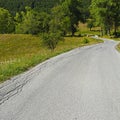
(74, 12)
(6, 21)
(58, 26)
(28, 23)
(99, 11)
(106, 14)
(43, 19)
(74, 15)
(59, 20)
(19, 5)
(31, 22)
(85, 8)
(90, 23)
(115, 7)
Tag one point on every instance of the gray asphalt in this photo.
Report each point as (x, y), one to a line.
(83, 86)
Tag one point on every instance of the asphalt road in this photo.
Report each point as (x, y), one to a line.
(83, 86)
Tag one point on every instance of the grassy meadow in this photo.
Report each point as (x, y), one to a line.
(19, 52)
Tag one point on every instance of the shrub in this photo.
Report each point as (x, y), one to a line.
(85, 41)
(51, 39)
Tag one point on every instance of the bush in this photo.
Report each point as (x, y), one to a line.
(51, 39)
(85, 41)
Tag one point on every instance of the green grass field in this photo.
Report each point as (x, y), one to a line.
(19, 53)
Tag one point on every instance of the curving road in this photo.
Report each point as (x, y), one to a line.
(81, 86)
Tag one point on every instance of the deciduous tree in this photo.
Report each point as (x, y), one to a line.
(6, 21)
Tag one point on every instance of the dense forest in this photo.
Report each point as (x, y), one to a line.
(19, 5)
(56, 18)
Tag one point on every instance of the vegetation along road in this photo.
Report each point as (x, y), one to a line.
(83, 84)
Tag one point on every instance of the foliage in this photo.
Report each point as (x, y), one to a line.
(57, 25)
(85, 41)
(59, 20)
(85, 9)
(106, 14)
(6, 21)
(58, 14)
(43, 19)
(43, 16)
(73, 11)
(19, 5)
(31, 22)
(28, 24)
(52, 39)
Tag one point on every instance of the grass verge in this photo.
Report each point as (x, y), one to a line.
(118, 47)
(19, 53)
(116, 39)
(111, 37)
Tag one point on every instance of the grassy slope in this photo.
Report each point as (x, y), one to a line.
(21, 52)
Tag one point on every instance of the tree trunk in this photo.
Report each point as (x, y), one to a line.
(101, 32)
(115, 28)
(73, 30)
(109, 32)
(90, 28)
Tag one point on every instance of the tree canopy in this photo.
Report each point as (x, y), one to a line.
(42, 16)
(6, 21)
(19, 5)
(106, 14)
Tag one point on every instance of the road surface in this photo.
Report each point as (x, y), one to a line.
(83, 86)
